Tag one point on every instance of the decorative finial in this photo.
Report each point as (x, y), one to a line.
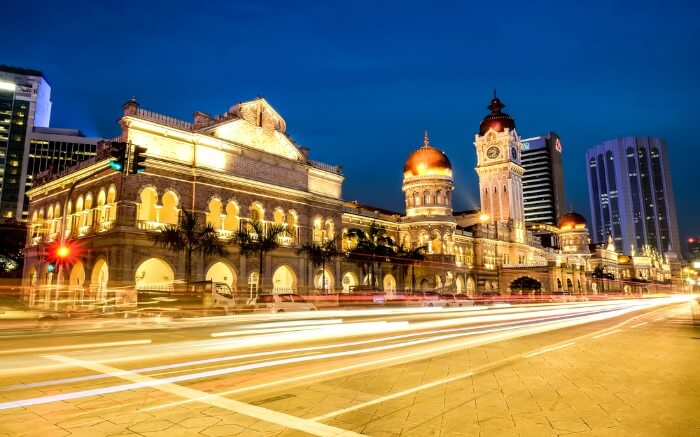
(426, 140)
(496, 105)
(494, 93)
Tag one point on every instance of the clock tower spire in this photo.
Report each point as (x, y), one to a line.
(498, 166)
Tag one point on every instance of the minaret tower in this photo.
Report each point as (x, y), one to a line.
(499, 169)
(427, 182)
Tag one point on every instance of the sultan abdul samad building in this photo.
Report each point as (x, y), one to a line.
(242, 165)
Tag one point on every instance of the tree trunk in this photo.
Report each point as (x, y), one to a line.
(188, 266)
(260, 273)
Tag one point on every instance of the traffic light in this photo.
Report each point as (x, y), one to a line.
(138, 164)
(51, 268)
(118, 151)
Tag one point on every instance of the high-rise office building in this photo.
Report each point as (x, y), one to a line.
(25, 102)
(543, 181)
(55, 149)
(631, 194)
(694, 251)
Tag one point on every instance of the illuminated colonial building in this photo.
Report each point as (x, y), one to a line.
(241, 166)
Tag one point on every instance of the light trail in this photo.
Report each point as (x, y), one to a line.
(534, 354)
(276, 417)
(605, 334)
(286, 351)
(75, 346)
(638, 325)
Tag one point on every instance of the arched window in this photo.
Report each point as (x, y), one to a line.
(426, 198)
(416, 198)
(101, 200)
(111, 204)
(256, 212)
(318, 230)
(231, 219)
(438, 197)
(87, 212)
(278, 216)
(213, 215)
(169, 211)
(148, 211)
(330, 229)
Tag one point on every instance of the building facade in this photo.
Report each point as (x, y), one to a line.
(241, 166)
(25, 102)
(543, 182)
(631, 194)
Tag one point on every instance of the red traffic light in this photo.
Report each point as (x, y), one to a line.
(62, 252)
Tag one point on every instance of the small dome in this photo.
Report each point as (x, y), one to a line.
(572, 220)
(623, 259)
(496, 120)
(427, 161)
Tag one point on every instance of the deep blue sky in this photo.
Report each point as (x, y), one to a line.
(358, 81)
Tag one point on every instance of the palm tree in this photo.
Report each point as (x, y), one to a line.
(255, 238)
(373, 245)
(411, 256)
(190, 237)
(319, 255)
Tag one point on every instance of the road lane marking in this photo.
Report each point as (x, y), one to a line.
(75, 346)
(533, 354)
(638, 324)
(257, 412)
(607, 333)
(659, 318)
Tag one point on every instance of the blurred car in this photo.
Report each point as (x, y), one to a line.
(431, 299)
(363, 295)
(280, 303)
(562, 297)
(16, 316)
(457, 300)
(489, 298)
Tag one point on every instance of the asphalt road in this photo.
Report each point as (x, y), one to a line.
(407, 371)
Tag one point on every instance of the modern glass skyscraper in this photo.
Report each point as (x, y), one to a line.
(631, 194)
(56, 149)
(25, 102)
(543, 181)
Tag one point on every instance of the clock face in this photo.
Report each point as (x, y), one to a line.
(493, 152)
(513, 153)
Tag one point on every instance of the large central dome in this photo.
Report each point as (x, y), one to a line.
(427, 161)
(496, 120)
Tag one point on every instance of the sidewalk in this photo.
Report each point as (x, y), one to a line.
(642, 380)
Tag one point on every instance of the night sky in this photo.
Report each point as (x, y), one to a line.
(357, 81)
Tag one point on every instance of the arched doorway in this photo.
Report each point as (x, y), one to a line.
(569, 284)
(324, 280)
(100, 275)
(349, 281)
(77, 275)
(471, 286)
(222, 272)
(425, 284)
(459, 283)
(154, 274)
(284, 280)
(389, 285)
(525, 285)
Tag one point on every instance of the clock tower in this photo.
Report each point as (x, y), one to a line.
(499, 169)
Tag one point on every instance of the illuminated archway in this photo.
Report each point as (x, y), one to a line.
(324, 281)
(222, 272)
(389, 284)
(147, 207)
(100, 275)
(169, 212)
(213, 216)
(231, 219)
(471, 286)
(77, 275)
(284, 280)
(154, 273)
(459, 283)
(349, 280)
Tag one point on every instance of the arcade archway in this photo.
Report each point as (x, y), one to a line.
(284, 280)
(526, 285)
(222, 272)
(154, 273)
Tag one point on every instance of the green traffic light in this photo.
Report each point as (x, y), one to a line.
(115, 165)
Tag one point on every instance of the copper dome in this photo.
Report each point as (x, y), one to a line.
(572, 220)
(496, 120)
(426, 161)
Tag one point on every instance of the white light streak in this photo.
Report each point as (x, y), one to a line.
(533, 354)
